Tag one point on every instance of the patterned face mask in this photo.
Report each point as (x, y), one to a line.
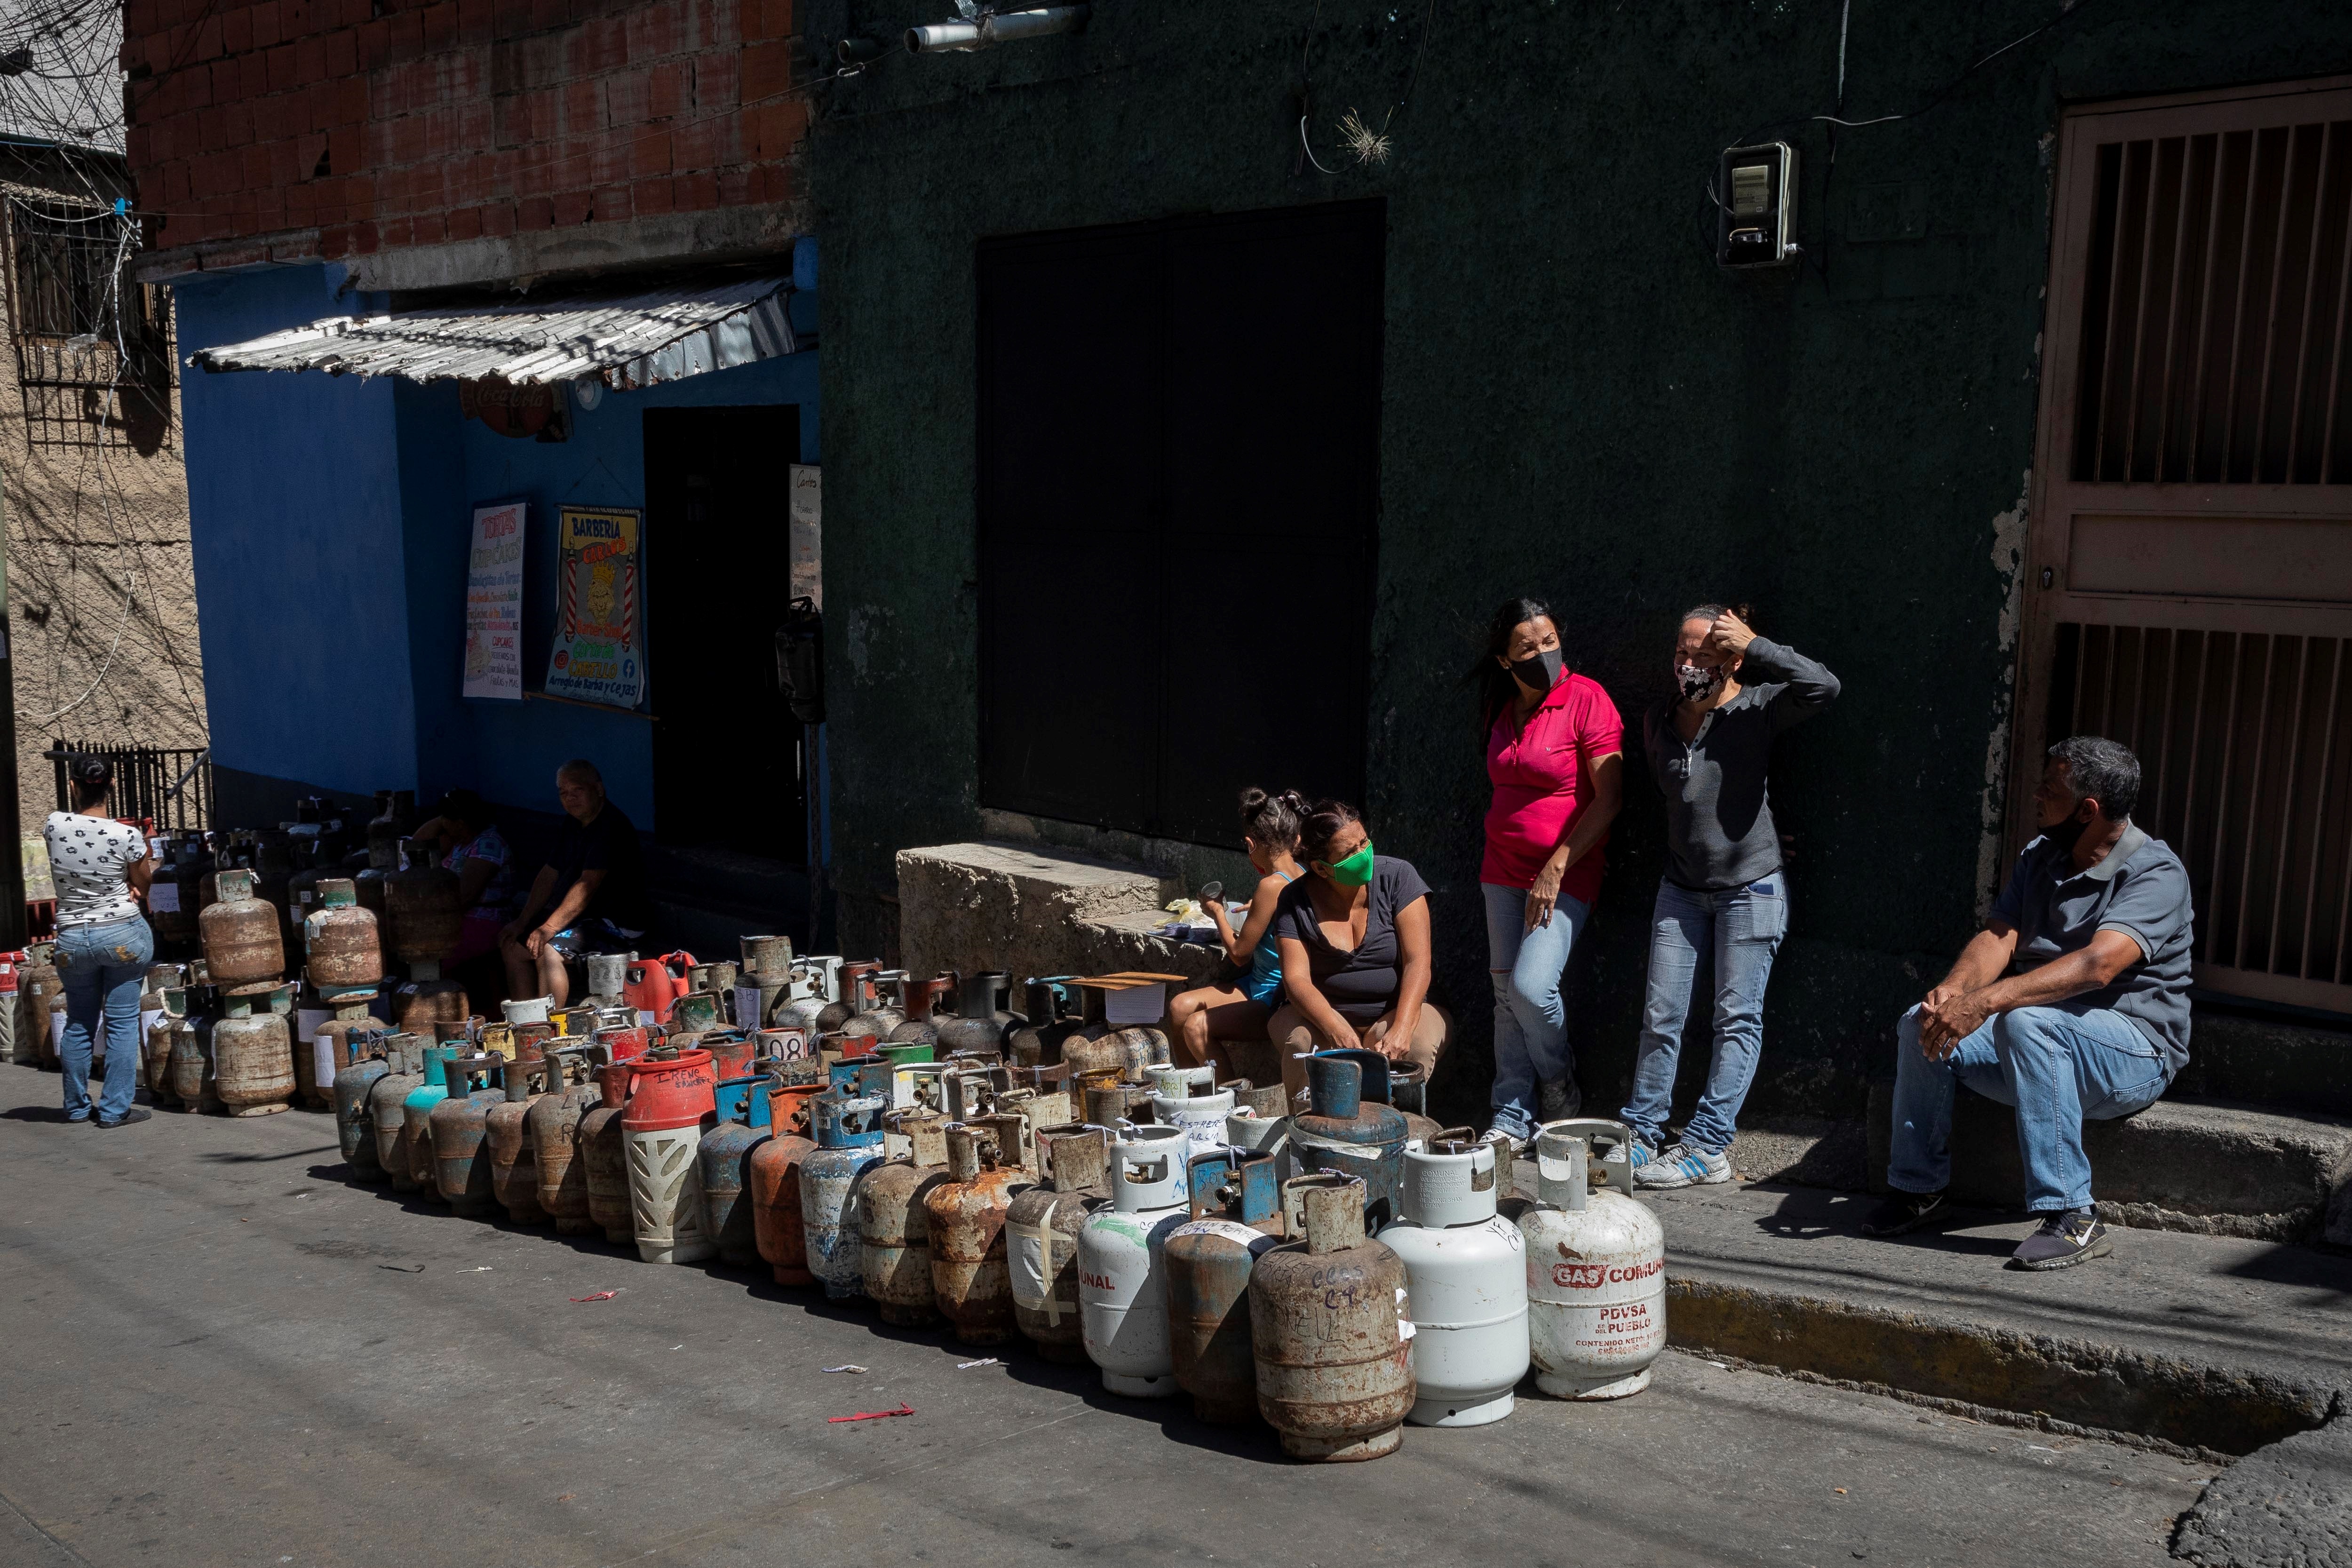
(1696, 684)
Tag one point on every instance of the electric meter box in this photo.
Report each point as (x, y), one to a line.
(1756, 204)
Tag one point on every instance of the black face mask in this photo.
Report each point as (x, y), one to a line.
(2066, 834)
(1539, 671)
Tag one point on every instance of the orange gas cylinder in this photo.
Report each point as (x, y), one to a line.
(671, 1100)
(653, 985)
(774, 1184)
(604, 1151)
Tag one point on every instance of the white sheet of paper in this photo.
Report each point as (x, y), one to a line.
(163, 898)
(1138, 1005)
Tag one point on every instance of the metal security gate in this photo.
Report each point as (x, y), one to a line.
(2188, 585)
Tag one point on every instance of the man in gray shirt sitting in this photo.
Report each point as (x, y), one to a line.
(2072, 1003)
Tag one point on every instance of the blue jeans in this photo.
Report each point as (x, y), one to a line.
(1735, 930)
(102, 967)
(2056, 1065)
(1531, 1024)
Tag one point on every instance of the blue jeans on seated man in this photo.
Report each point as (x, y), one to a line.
(1737, 932)
(1530, 1022)
(2058, 1065)
(102, 968)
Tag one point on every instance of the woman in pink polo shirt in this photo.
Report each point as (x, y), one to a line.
(1554, 753)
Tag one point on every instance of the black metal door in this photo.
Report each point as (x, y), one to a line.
(728, 763)
(1178, 495)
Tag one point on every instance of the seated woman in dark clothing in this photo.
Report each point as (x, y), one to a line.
(1354, 934)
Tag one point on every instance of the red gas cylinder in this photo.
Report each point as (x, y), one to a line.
(670, 1102)
(653, 985)
(774, 1184)
(605, 1150)
(624, 1045)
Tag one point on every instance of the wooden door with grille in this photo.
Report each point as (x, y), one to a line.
(2189, 578)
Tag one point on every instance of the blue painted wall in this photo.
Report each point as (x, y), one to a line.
(332, 522)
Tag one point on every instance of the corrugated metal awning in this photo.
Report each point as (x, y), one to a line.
(630, 340)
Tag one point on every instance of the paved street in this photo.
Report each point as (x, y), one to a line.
(218, 1353)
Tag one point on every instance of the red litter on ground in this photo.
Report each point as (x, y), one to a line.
(599, 1296)
(872, 1415)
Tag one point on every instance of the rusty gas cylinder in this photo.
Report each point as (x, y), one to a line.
(1236, 1210)
(856, 985)
(1108, 1105)
(511, 1147)
(155, 1047)
(921, 1007)
(339, 941)
(253, 1048)
(741, 1104)
(193, 1083)
(423, 907)
(979, 1022)
(970, 1275)
(1087, 1051)
(1140, 1049)
(1041, 1237)
(387, 1100)
(731, 1051)
(416, 1113)
(774, 1184)
(40, 1002)
(354, 1127)
(555, 1135)
(461, 1131)
(605, 1154)
(240, 938)
(273, 869)
(1333, 1378)
(894, 1232)
(1348, 1132)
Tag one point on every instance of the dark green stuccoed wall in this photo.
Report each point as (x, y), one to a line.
(1576, 404)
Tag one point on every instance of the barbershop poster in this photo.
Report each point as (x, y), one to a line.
(494, 604)
(600, 639)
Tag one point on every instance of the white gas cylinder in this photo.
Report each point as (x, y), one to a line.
(1122, 1270)
(1596, 1266)
(1188, 1097)
(1466, 1283)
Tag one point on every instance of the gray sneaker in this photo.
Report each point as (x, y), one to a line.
(2072, 1237)
(1560, 1099)
(1684, 1165)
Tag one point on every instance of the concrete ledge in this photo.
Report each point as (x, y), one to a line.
(2194, 1342)
(1808, 1152)
(2289, 1506)
(2217, 1169)
(1004, 906)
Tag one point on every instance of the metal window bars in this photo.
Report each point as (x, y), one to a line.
(169, 787)
(93, 345)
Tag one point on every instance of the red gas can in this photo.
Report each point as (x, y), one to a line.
(653, 985)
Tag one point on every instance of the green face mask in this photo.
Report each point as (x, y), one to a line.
(1356, 869)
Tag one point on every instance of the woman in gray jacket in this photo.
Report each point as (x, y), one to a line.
(1724, 892)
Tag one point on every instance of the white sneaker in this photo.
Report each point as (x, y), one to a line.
(1559, 1100)
(1684, 1165)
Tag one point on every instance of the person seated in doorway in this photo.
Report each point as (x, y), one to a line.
(1354, 937)
(469, 843)
(2071, 1004)
(1211, 1020)
(593, 891)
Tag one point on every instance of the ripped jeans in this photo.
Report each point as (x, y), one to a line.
(102, 968)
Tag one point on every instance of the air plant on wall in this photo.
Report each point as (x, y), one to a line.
(1365, 145)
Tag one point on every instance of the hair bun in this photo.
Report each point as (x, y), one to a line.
(92, 771)
(1253, 798)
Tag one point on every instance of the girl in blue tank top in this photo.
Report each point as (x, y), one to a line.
(1211, 1019)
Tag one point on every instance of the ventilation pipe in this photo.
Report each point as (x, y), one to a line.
(991, 28)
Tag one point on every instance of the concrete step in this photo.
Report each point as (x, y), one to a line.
(2218, 1343)
(2213, 1167)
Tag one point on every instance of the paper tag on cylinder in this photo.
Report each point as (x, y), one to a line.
(307, 1021)
(322, 1060)
(747, 1008)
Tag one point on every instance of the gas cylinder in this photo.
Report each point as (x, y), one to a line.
(253, 1050)
(1466, 1283)
(554, 1121)
(1381, 1080)
(1190, 1098)
(607, 976)
(193, 1082)
(605, 1154)
(1033, 1037)
(395, 814)
(1260, 1122)
(1108, 1104)
(731, 1051)
(1237, 1217)
(153, 1070)
(873, 1018)
(460, 1127)
(922, 1008)
(354, 1124)
(1141, 1051)
(1092, 1048)
(241, 944)
(1596, 1269)
(980, 1022)
(340, 951)
(850, 987)
(1040, 1232)
(511, 1145)
(775, 1182)
(671, 1100)
(388, 1101)
(653, 985)
(156, 1042)
(758, 994)
(1333, 1376)
(967, 1213)
(175, 895)
(41, 1002)
(416, 1117)
(691, 1015)
(741, 1104)
(1122, 1273)
(1347, 1133)
(766, 955)
(423, 908)
(894, 1237)
(849, 1139)
(301, 895)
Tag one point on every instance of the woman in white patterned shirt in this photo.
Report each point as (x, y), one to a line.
(104, 943)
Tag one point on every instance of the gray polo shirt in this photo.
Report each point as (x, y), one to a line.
(1719, 831)
(2139, 888)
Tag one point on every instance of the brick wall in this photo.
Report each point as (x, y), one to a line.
(386, 124)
